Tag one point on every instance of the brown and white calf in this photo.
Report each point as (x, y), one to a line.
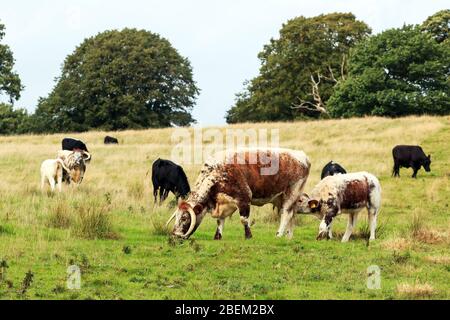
(75, 161)
(343, 193)
(234, 180)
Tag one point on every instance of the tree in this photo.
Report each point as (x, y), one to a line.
(13, 121)
(398, 72)
(9, 80)
(126, 79)
(438, 25)
(298, 68)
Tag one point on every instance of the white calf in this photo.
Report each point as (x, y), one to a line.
(52, 171)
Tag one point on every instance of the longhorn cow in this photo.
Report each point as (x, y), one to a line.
(234, 180)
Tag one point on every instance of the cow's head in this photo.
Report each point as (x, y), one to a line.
(187, 219)
(77, 173)
(426, 163)
(306, 205)
(79, 166)
(324, 210)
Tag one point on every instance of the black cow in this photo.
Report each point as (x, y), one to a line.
(168, 176)
(410, 157)
(332, 168)
(73, 144)
(110, 140)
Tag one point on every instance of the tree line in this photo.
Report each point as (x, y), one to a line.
(332, 66)
(329, 66)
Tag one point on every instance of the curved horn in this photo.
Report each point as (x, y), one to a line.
(171, 218)
(88, 154)
(193, 222)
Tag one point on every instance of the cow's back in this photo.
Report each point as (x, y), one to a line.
(404, 152)
(352, 189)
(253, 170)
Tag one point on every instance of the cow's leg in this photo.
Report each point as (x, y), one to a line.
(373, 214)
(330, 231)
(396, 170)
(286, 217)
(290, 229)
(415, 173)
(59, 181)
(219, 231)
(287, 210)
(155, 194)
(244, 212)
(350, 226)
(51, 180)
(163, 194)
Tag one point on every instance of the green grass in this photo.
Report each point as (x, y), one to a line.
(110, 228)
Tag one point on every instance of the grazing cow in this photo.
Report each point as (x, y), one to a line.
(73, 145)
(343, 193)
(410, 157)
(75, 161)
(234, 180)
(52, 172)
(332, 168)
(110, 140)
(168, 176)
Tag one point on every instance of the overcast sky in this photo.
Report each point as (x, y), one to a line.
(220, 38)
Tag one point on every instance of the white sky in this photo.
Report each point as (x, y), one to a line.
(220, 38)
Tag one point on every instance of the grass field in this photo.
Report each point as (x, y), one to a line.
(109, 227)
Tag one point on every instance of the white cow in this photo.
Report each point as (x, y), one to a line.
(52, 171)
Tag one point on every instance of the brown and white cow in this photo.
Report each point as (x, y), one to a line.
(234, 180)
(75, 161)
(343, 193)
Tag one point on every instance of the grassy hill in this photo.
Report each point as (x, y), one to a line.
(110, 228)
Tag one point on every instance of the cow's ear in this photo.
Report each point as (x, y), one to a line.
(198, 209)
(313, 204)
(429, 157)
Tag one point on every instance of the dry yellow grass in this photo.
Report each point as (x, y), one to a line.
(445, 260)
(415, 291)
(397, 244)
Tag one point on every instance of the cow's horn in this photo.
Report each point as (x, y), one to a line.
(171, 218)
(88, 155)
(193, 222)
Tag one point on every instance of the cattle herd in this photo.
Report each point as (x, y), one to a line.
(234, 180)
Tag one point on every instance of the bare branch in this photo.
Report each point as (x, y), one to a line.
(343, 66)
(318, 105)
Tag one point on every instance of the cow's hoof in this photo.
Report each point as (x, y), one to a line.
(248, 236)
(322, 235)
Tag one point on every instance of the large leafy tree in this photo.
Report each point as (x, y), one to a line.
(438, 25)
(13, 121)
(308, 49)
(119, 80)
(10, 84)
(398, 72)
